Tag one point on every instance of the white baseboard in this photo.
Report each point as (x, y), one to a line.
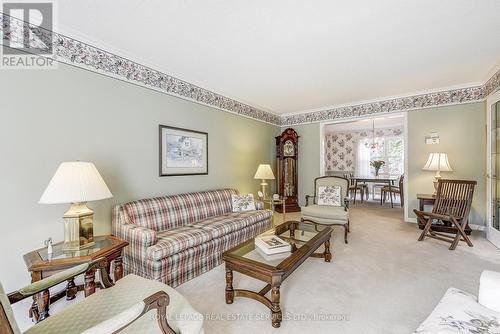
(474, 227)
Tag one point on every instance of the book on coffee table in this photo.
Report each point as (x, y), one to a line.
(271, 244)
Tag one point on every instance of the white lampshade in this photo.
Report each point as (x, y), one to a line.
(75, 182)
(438, 162)
(264, 172)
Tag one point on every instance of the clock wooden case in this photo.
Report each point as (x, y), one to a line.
(287, 157)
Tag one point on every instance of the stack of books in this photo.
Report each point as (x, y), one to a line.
(272, 247)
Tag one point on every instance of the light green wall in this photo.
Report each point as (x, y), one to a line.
(309, 156)
(462, 130)
(462, 134)
(51, 116)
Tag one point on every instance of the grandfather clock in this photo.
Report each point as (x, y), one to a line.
(287, 155)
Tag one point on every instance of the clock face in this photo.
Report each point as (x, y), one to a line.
(288, 149)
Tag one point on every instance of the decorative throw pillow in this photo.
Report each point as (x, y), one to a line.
(330, 195)
(242, 202)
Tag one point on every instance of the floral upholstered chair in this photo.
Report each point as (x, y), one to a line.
(132, 305)
(329, 205)
(462, 312)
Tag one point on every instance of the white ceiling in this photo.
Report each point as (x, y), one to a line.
(288, 56)
(396, 121)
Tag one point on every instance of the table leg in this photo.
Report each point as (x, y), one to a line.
(390, 194)
(42, 304)
(355, 190)
(276, 315)
(327, 254)
(118, 271)
(284, 211)
(229, 286)
(71, 289)
(89, 286)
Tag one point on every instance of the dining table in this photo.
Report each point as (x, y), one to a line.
(390, 180)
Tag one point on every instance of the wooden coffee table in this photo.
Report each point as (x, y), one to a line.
(244, 258)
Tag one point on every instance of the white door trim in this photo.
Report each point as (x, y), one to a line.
(347, 120)
(492, 234)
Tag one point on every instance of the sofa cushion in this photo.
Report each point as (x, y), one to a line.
(162, 213)
(459, 312)
(327, 214)
(176, 240)
(231, 222)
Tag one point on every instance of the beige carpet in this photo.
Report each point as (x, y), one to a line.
(383, 281)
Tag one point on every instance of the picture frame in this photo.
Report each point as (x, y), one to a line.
(182, 151)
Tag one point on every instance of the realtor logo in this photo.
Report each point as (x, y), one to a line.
(27, 35)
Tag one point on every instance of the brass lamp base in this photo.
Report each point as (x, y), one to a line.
(78, 227)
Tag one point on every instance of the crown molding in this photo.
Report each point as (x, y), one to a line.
(73, 52)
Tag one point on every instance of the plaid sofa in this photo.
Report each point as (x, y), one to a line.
(173, 239)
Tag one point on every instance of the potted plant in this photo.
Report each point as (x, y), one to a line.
(377, 164)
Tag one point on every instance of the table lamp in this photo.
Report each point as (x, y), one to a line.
(264, 172)
(76, 183)
(437, 162)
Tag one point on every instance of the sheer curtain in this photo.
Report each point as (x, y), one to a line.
(362, 159)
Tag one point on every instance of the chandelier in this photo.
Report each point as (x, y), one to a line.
(375, 143)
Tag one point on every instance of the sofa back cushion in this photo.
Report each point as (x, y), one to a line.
(162, 213)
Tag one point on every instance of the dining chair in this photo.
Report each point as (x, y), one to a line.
(393, 190)
(452, 206)
(353, 189)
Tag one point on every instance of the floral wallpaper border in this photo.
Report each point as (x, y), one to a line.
(71, 51)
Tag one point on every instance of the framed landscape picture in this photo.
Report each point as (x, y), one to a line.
(183, 151)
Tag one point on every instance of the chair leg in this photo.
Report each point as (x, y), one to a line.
(426, 228)
(381, 195)
(460, 234)
(346, 228)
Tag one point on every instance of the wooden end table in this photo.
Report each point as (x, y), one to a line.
(425, 199)
(305, 240)
(41, 266)
(273, 203)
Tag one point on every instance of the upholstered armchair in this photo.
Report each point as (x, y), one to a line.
(329, 205)
(132, 305)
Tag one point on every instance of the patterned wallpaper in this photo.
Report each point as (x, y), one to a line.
(340, 147)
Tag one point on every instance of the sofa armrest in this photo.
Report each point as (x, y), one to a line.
(137, 235)
(259, 205)
(489, 290)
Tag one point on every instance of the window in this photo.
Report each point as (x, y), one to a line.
(391, 151)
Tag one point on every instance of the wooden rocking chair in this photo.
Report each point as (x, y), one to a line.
(452, 206)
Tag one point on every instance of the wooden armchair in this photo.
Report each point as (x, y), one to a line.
(326, 214)
(452, 206)
(108, 311)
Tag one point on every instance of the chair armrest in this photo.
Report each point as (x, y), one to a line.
(308, 197)
(489, 290)
(117, 323)
(60, 277)
(346, 203)
(432, 215)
